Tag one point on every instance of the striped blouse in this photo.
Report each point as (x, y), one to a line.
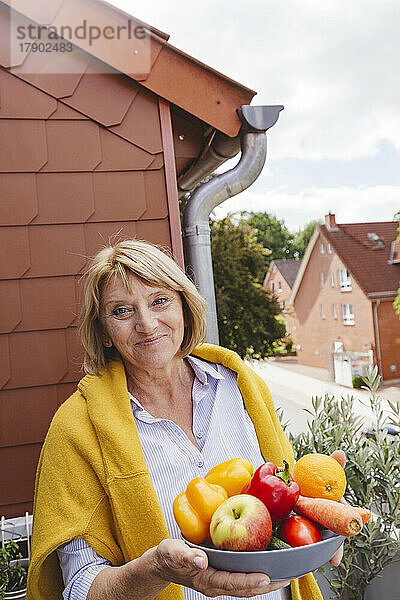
(223, 431)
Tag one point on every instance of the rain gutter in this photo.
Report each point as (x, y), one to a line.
(256, 120)
(220, 148)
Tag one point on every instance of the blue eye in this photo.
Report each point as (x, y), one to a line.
(121, 311)
(161, 300)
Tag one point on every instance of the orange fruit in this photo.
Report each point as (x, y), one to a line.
(320, 476)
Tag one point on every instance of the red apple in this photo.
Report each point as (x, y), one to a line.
(241, 523)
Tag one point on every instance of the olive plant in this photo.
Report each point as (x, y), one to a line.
(373, 480)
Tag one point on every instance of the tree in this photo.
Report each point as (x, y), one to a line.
(246, 311)
(302, 237)
(272, 234)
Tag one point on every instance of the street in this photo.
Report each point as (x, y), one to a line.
(293, 413)
(293, 392)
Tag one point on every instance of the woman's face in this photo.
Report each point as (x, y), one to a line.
(145, 325)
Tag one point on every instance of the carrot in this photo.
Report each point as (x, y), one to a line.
(364, 513)
(340, 518)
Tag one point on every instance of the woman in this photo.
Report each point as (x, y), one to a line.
(156, 408)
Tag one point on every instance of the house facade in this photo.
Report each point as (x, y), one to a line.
(279, 280)
(343, 297)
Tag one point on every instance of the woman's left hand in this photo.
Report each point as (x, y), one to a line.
(340, 456)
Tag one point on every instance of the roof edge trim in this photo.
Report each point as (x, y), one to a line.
(206, 67)
(268, 272)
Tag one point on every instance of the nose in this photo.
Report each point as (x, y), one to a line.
(146, 321)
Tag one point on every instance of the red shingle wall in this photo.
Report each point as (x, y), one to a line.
(389, 336)
(81, 163)
(315, 334)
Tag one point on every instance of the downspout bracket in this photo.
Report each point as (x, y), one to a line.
(199, 229)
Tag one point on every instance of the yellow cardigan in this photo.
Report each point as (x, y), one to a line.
(92, 481)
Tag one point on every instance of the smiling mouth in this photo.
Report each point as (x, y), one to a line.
(150, 341)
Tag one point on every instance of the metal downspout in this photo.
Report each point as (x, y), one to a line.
(377, 338)
(196, 230)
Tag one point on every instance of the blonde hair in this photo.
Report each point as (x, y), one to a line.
(154, 267)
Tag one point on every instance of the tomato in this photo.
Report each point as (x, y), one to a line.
(300, 531)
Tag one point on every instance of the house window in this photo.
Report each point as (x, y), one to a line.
(321, 309)
(322, 279)
(334, 311)
(282, 305)
(344, 281)
(329, 249)
(347, 314)
(331, 279)
(322, 249)
(271, 286)
(279, 286)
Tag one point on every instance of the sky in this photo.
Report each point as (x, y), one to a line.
(334, 65)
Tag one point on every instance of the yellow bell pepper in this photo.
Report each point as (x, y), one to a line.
(233, 475)
(194, 508)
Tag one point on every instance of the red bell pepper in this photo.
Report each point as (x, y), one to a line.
(276, 488)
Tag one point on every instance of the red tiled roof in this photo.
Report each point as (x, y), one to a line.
(366, 261)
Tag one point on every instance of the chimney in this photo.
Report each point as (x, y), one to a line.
(330, 221)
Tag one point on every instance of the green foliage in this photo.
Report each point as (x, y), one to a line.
(373, 481)
(274, 235)
(302, 237)
(396, 303)
(283, 347)
(357, 381)
(12, 577)
(246, 311)
(288, 344)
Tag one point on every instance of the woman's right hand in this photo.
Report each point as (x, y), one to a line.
(176, 562)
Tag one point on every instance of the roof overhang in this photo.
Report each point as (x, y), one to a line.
(171, 74)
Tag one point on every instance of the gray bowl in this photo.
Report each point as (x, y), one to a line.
(279, 565)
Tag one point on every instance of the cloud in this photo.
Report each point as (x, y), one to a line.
(333, 65)
(351, 205)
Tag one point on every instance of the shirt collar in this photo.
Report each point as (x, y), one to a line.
(203, 370)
